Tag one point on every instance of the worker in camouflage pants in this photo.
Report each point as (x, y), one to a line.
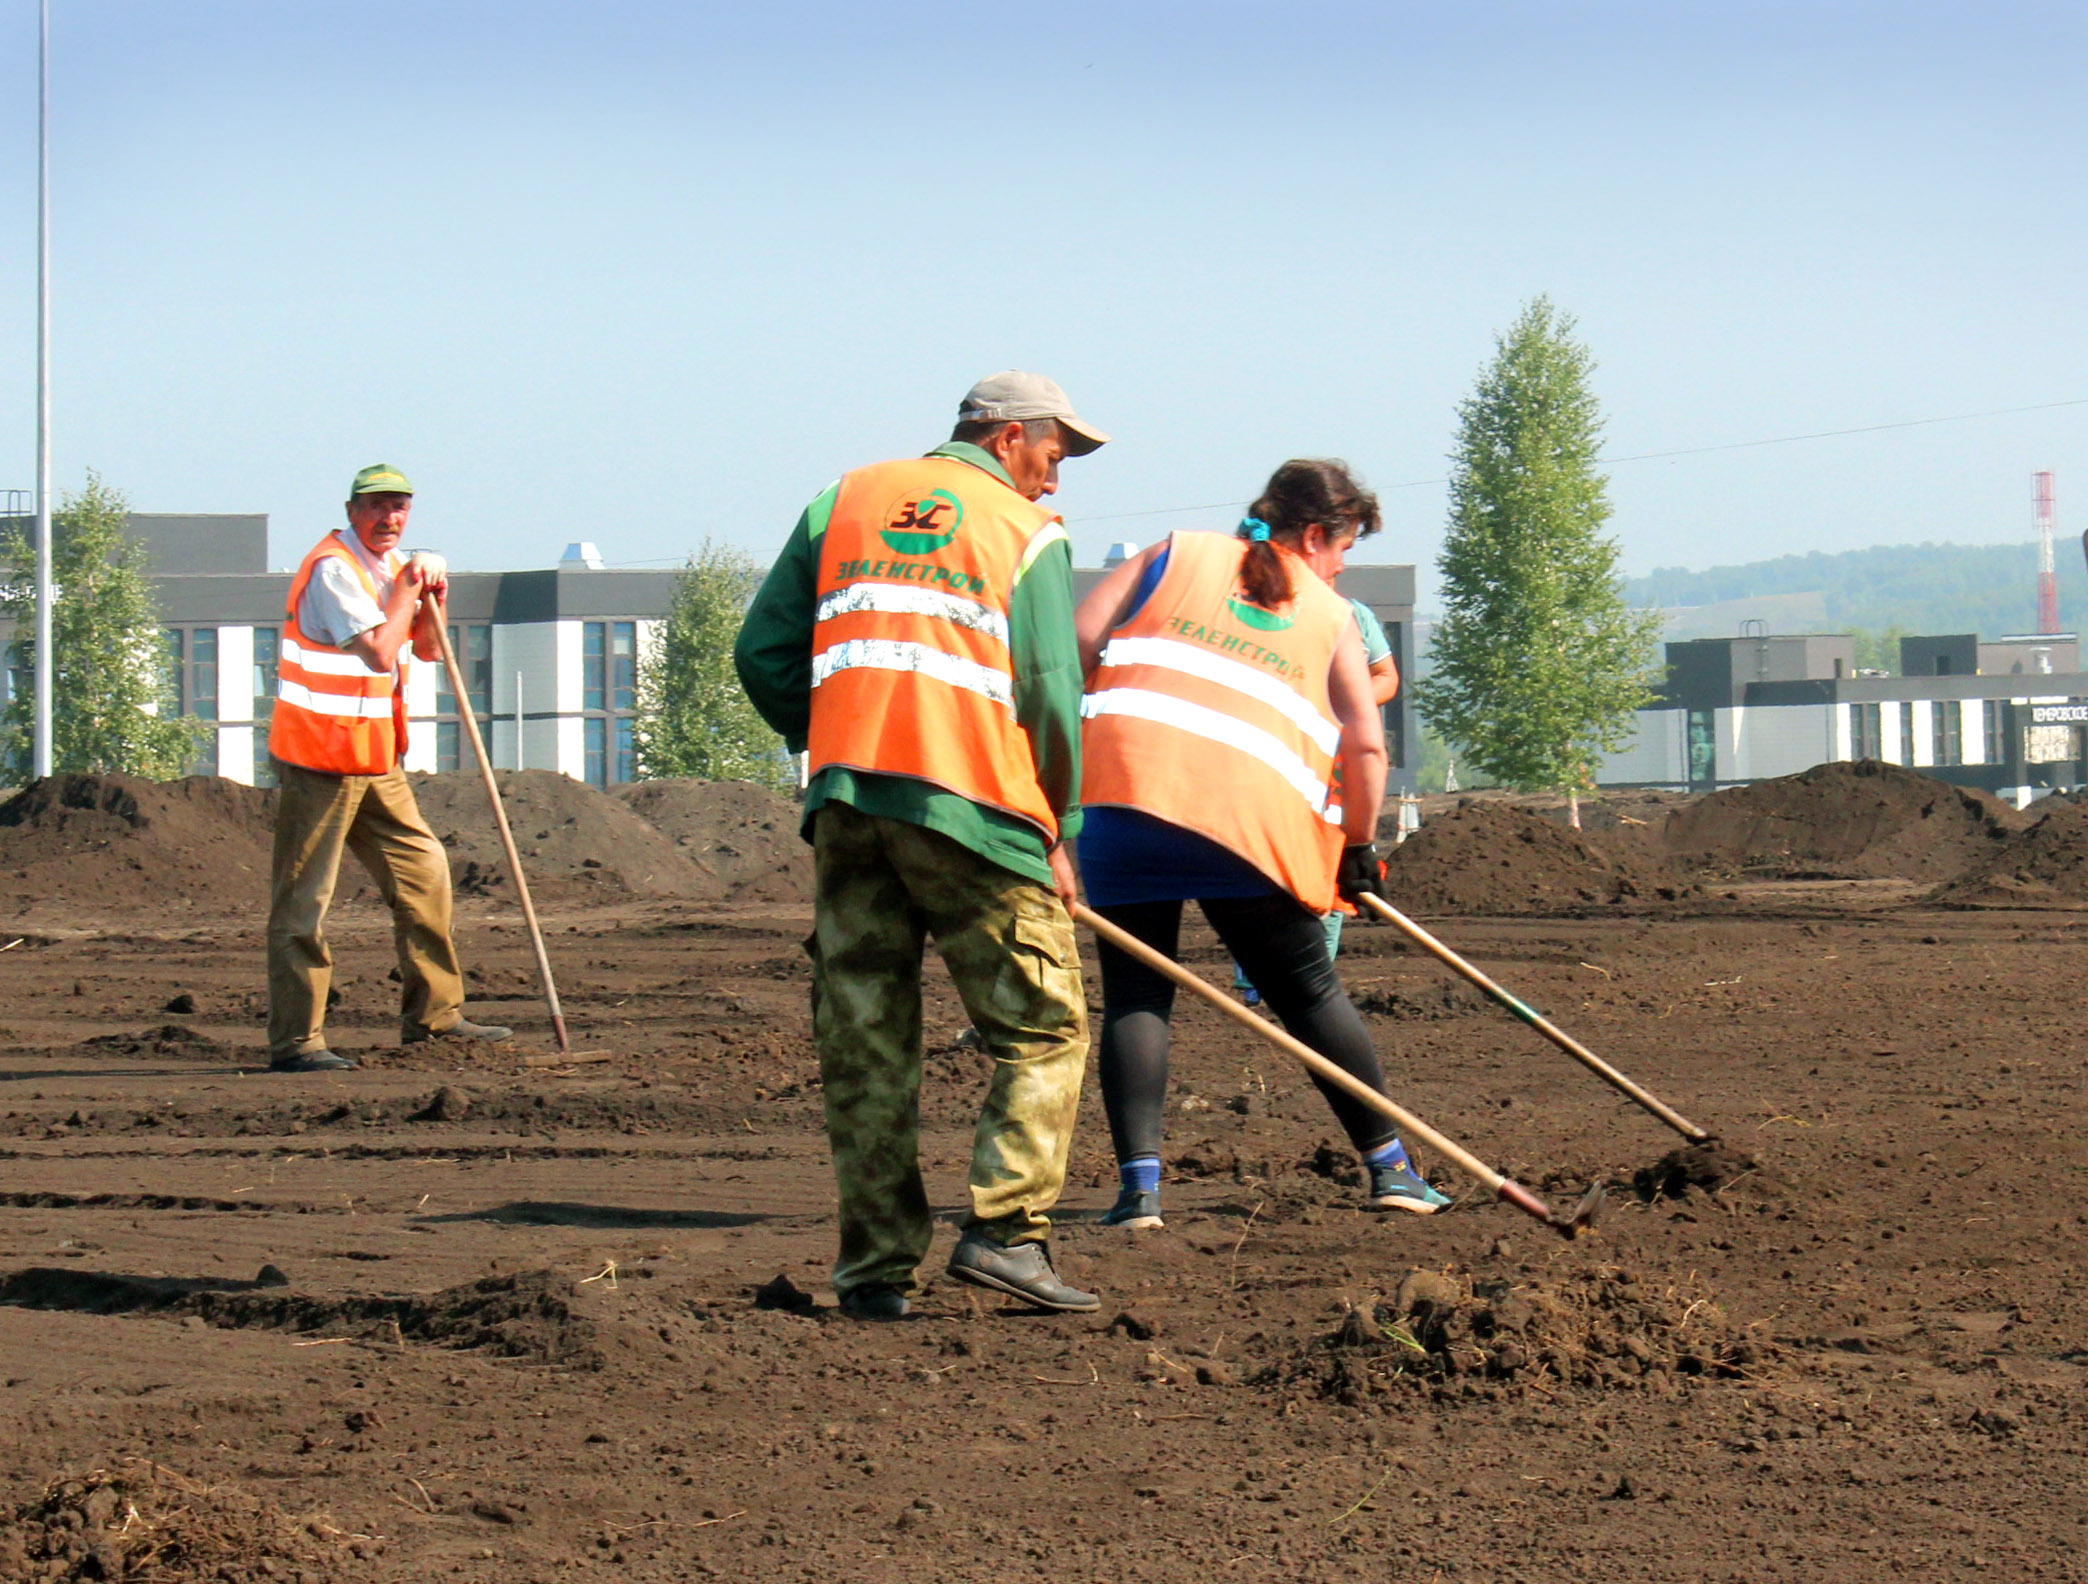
(915, 641)
(884, 884)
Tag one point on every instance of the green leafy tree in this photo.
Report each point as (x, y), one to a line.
(694, 718)
(113, 690)
(1538, 661)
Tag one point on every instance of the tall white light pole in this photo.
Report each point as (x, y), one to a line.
(45, 661)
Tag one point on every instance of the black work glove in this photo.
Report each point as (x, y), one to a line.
(1362, 873)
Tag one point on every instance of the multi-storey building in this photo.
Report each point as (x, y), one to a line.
(2005, 715)
(549, 656)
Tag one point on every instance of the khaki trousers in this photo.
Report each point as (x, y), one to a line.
(376, 818)
(882, 886)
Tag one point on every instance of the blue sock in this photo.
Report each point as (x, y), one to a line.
(1391, 1153)
(1141, 1174)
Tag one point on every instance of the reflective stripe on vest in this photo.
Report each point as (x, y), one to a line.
(1219, 727)
(911, 669)
(891, 654)
(1212, 714)
(332, 712)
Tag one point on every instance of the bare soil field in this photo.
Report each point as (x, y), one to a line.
(455, 1316)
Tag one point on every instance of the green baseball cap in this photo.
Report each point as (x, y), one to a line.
(380, 478)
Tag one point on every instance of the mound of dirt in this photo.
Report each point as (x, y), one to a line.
(574, 840)
(743, 836)
(1864, 820)
(525, 1315)
(1599, 1327)
(141, 1521)
(1487, 857)
(202, 840)
(2045, 865)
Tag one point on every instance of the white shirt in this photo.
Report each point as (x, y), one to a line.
(336, 607)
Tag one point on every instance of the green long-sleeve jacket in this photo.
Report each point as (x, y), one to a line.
(774, 659)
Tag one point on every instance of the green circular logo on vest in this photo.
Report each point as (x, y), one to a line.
(922, 527)
(1257, 618)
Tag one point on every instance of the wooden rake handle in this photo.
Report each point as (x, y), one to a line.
(1530, 1015)
(507, 836)
(1501, 1187)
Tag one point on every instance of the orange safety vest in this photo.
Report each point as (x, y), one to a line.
(1212, 713)
(332, 712)
(911, 670)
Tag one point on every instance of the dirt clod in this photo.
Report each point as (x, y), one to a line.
(1703, 1168)
(1593, 1327)
(141, 1521)
(783, 1294)
(447, 1104)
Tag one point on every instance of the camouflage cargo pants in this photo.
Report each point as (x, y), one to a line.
(883, 886)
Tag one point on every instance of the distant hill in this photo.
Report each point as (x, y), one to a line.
(1924, 588)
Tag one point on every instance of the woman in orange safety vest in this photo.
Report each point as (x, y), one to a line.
(1226, 680)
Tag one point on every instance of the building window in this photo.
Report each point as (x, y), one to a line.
(1995, 730)
(596, 731)
(203, 674)
(177, 670)
(473, 645)
(1702, 729)
(449, 738)
(1906, 714)
(1950, 731)
(1866, 731)
(268, 649)
(609, 699)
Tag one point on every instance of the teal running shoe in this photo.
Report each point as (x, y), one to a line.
(1401, 1188)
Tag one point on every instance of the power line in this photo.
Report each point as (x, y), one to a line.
(1656, 456)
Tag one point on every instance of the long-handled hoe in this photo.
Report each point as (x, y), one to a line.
(1464, 1160)
(1537, 1020)
(462, 695)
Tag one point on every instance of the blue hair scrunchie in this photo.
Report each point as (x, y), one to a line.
(1257, 530)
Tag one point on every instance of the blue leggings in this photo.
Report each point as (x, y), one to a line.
(1283, 949)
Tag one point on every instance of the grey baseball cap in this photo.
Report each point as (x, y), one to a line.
(1015, 395)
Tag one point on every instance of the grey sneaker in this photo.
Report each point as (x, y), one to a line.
(1023, 1271)
(314, 1061)
(1135, 1211)
(875, 1301)
(463, 1028)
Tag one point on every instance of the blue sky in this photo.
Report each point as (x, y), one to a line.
(643, 273)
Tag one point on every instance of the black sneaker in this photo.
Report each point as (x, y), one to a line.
(1022, 1271)
(875, 1301)
(1136, 1210)
(313, 1061)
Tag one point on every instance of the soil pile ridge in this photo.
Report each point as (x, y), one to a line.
(73, 841)
(1864, 820)
(574, 840)
(2046, 865)
(743, 836)
(117, 839)
(1488, 857)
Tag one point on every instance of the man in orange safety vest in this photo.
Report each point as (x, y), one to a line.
(337, 734)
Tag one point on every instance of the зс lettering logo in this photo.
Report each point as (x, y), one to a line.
(922, 527)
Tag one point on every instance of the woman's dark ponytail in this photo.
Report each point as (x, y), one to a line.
(1300, 493)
